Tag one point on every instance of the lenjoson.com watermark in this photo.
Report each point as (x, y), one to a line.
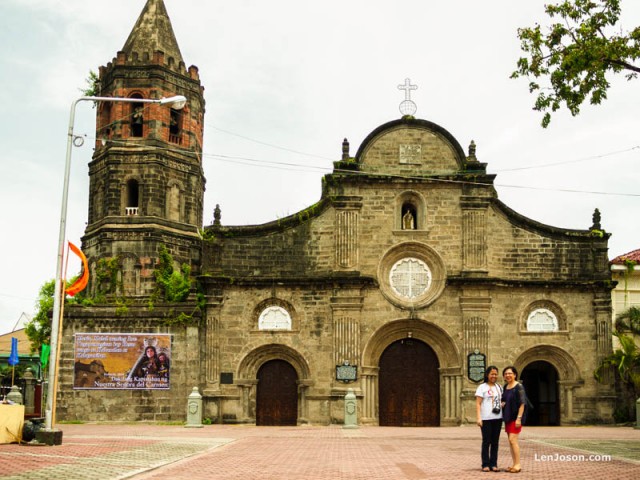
(571, 457)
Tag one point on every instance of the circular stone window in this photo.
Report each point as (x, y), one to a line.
(411, 275)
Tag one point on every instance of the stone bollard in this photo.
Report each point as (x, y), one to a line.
(350, 410)
(194, 409)
(637, 414)
(14, 395)
(29, 391)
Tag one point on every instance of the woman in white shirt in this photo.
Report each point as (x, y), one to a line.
(489, 418)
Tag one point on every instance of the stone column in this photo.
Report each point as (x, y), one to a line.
(346, 307)
(604, 343)
(474, 234)
(475, 306)
(567, 387)
(346, 231)
(245, 397)
(29, 391)
(212, 347)
(452, 388)
(303, 404)
(369, 383)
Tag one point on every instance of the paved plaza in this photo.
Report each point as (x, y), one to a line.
(141, 451)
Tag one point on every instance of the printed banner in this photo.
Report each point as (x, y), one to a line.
(132, 361)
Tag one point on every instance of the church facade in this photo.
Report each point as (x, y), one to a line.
(404, 281)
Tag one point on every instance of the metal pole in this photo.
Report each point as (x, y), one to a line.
(177, 102)
(57, 296)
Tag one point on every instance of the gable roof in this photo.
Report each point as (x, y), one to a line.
(633, 256)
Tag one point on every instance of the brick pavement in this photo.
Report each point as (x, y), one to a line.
(143, 452)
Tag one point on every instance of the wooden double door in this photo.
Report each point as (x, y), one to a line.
(277, 394)
(409, 385)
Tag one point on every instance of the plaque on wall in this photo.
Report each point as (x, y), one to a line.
(476, 365)
(346, 373)
(410, 153)
(226, 378)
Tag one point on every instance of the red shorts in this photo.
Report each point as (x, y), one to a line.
(510, 427)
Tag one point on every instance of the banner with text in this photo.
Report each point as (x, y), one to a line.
(133, 361)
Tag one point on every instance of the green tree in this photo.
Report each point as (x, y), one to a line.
(93, 85)
(576, 54)
(629, 321)
(626, 362)
(38, 330)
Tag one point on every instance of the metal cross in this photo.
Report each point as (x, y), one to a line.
(407, 87)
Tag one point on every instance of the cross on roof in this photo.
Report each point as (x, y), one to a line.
(407, 87)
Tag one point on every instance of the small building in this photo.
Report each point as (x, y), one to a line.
(625, 270)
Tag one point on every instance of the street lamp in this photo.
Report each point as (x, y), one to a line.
(177, 102)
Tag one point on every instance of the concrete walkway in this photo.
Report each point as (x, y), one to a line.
(141, 451)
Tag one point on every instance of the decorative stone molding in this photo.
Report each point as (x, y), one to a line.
(421, 254)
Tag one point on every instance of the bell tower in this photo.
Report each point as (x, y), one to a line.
(146, 183)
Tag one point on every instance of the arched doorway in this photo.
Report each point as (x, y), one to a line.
(408, 385)
(540, 380)
(277, 394)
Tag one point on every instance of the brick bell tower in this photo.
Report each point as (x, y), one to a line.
(146, 179)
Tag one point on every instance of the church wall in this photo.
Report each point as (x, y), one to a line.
(130, 405)
(517, 252)
(305, 249)
(378, 232)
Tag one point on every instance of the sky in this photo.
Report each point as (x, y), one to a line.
(285, 81)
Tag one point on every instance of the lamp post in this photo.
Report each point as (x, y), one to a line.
(177, 102)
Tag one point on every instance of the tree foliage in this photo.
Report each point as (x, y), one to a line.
(175, 285)
(629, 321)
(573, 57)
(626, 360)
(93, 85)
(38, 330)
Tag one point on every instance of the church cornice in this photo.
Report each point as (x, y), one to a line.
(155, 152)
(332, 280)
(181, 79)
(495, 282)
(140, 225)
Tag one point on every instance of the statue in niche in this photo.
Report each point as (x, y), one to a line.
(408, 222)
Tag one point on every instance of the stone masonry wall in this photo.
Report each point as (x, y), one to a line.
(129, 405)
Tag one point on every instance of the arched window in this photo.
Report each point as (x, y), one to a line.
(137, 117)
(133, 197)
(274, 318)
(175, 126)
(542, 320)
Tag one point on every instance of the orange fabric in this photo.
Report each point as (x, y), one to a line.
(82, 281)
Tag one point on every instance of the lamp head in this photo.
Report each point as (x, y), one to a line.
(176, 102)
